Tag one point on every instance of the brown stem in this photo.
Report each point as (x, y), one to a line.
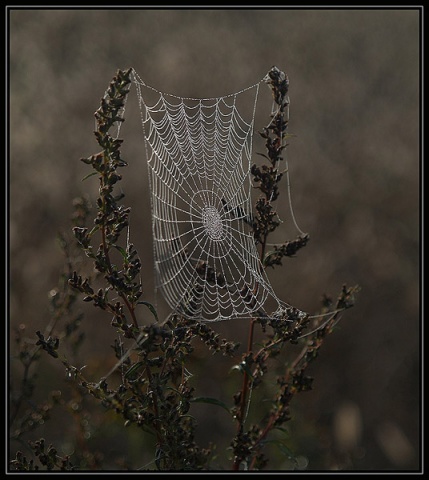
(271, 421)
(245, 386)
(110, 269)
(155, 405)
(263, 247)
(244, 391)
(109, 264)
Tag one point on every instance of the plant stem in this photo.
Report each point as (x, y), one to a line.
(155, 405)
(244, 391)
(245, 386)
(106, 251)
(263, 248)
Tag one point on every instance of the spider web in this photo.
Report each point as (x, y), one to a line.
(199, 157)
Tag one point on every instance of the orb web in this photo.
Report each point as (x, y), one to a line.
(212, 222)
(199, 157)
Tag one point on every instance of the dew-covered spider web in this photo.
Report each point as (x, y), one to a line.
(199, 158)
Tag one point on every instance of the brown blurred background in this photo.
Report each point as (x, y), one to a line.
(354, 165)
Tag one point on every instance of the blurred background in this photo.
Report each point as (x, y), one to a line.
(354, 166)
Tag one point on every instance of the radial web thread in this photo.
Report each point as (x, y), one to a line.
(199, 157)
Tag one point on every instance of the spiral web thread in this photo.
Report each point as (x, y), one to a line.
(199, 157)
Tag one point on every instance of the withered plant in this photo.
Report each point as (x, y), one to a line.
(156, 391)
